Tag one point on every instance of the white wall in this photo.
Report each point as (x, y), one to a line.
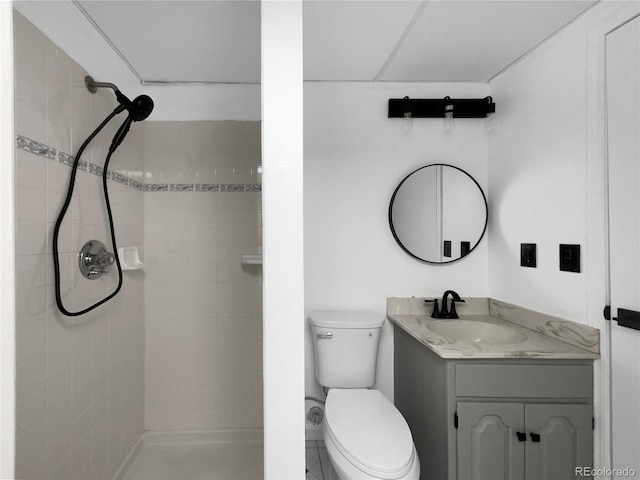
(354, 158)
(282, 156)
(547, 184)
(538, 172)
(7, 246)
(204, 102)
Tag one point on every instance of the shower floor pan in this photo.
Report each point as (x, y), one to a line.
(221, 455)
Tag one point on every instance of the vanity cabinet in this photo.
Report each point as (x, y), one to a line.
(495, 419)
(522, 440)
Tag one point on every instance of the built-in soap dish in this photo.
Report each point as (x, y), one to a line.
(255, 259)
(129, 258)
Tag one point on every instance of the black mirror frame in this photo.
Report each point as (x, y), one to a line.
(393, 231)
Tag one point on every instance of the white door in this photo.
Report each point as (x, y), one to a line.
(623, 146)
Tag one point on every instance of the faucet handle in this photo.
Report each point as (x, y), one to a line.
(452, 311)
(435, 313)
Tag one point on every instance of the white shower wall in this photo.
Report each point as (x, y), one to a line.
(203, 307)
(79, 381)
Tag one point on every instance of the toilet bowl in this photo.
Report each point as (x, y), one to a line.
(367, 438)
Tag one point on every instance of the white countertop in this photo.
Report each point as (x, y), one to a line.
(546, 337)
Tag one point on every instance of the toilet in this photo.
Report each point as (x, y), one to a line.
(366, 437)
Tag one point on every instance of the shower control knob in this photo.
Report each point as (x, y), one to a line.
(94, 258)
(106, 258)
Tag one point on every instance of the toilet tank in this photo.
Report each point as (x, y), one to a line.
(346, 347)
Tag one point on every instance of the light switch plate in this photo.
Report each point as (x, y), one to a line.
(528, 257)
(570, 258)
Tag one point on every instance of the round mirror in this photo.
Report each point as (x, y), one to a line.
(438, 213)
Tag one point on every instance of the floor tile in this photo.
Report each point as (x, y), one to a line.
(199, 461)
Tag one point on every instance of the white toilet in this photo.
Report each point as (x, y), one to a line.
(366, 436)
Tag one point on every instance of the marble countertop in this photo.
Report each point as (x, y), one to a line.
(545, 337)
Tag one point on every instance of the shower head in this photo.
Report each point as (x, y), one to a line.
(142, 106)
(139, 109)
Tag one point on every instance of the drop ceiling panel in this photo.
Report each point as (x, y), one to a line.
(475, 40)
(352, 40)
(195, 41)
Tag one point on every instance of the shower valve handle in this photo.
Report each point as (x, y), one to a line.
(106, 258)
(94, 258)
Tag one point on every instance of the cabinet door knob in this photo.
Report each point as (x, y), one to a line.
(535, 438)
(522, 437)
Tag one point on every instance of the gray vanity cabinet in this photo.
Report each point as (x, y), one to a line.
(519, 441)
(494, 419)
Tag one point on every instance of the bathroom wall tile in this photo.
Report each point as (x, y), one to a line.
(31, 407)
(31, 338)
(58, 359)
(57, 177)
(80, 104)
(32, 238)
(64, 365)
(228, 237)
(58, 78)
(234, 201)
(31, 272)
(84, 186)
(30, 74)
(31, 170)
(54, 203)
(29, 202)
(31, 453)
(188, 354)
(31, 373)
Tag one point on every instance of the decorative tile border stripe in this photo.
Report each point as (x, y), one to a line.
(202, 187)
(119, 177)
(42, 150)
(36, 148)
(135, 184)
(181, 187)
(156, 187)
(207, 187)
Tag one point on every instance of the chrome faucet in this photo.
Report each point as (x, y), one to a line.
(450, 313)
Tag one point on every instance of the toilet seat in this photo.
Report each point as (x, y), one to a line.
(369, 432)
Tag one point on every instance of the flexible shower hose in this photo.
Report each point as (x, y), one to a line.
(63, 211)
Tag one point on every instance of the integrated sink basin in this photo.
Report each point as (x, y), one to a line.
(476, 331)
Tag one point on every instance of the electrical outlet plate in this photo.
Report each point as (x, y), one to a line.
(569, 258)
(528, 256)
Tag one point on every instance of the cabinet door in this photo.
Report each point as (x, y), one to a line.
(560, 438)
(488, 447)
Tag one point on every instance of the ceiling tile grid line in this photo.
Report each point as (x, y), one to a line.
(188, 43)
(107, 39)
(544, 41)
(402, 38)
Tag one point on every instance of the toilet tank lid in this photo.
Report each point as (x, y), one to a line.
(346, 319)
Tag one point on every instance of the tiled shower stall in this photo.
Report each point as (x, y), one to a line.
(180, 348)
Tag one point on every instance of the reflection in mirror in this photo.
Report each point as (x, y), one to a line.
(438, 213)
